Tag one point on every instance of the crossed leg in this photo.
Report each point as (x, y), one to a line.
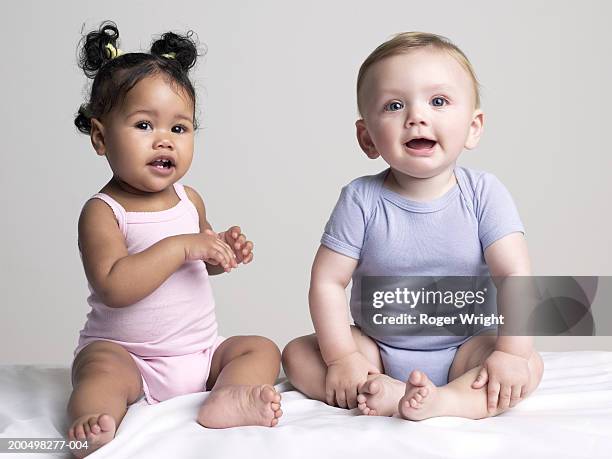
(424, 400)
(306, 369)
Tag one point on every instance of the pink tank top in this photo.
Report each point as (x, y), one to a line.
(179, 316)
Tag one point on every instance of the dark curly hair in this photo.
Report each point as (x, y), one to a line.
(114, 76)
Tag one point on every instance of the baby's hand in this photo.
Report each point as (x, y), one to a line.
(207, 246)
(343, 378)
(242, 248)
(507, 377)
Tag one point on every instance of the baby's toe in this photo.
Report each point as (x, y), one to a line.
(106, 423)
(79, 433)
(269, 395)
(87, 430)
(415, 378)
(93, 425)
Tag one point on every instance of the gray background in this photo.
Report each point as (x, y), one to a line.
(277, 106)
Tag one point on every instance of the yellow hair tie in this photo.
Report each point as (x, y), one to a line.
(171, 55)
(112, 52)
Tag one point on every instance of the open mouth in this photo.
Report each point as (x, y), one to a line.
(421, 144)
(162, 163)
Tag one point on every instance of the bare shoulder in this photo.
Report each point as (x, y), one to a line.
(195, 197)
(198, 202)
(96, 212)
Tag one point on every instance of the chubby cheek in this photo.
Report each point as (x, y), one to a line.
(454, 135)
(186, 153)
(383, 134)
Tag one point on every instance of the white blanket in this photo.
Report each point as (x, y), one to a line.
(569, 416)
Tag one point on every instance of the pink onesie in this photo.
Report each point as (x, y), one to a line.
(172, 333)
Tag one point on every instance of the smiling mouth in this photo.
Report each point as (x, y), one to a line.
(420, 144)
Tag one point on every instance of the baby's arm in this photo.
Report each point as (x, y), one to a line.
(347, 368)
(120, 279)
(506, 372)
(507, 257)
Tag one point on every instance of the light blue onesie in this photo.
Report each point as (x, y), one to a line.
(390, 235)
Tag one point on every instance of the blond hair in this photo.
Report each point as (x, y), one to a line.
(409, 41)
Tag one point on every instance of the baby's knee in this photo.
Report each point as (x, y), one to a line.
(97, 365)
(265, 345)
(294, 351)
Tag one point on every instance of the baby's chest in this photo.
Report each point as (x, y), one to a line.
(423, 244)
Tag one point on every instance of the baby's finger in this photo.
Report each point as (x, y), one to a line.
(351, 397)
(234, 232)
(504, 397)
(515, 396)
(481, 379)
(329, 395)
(492, 395)
(341, 398)
(248, 258)
(240, 241)
(246, 249)
(227, 251)
(219, 254)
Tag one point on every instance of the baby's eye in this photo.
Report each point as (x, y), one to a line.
(394, 106)
(179, 129)
(142, 125)
(439, 101)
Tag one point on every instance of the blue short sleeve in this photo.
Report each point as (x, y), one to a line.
(345, 230)
(495, 209)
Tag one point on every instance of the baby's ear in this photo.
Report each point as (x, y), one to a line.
(476, 129)
(97, 136)
(365, 141)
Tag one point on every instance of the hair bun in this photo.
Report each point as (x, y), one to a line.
(93, 48)
(183, 47)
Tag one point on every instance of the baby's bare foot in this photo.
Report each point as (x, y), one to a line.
(379, 395)
(421, 400)
(96, 429)
(233, 406)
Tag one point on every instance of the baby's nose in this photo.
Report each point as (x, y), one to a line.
(415, 120)
(416, 117)
(163, 142)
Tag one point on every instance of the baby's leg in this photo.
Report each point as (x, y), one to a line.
(242, 376)
(105, 380)
(424, 400)
(306, 370)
